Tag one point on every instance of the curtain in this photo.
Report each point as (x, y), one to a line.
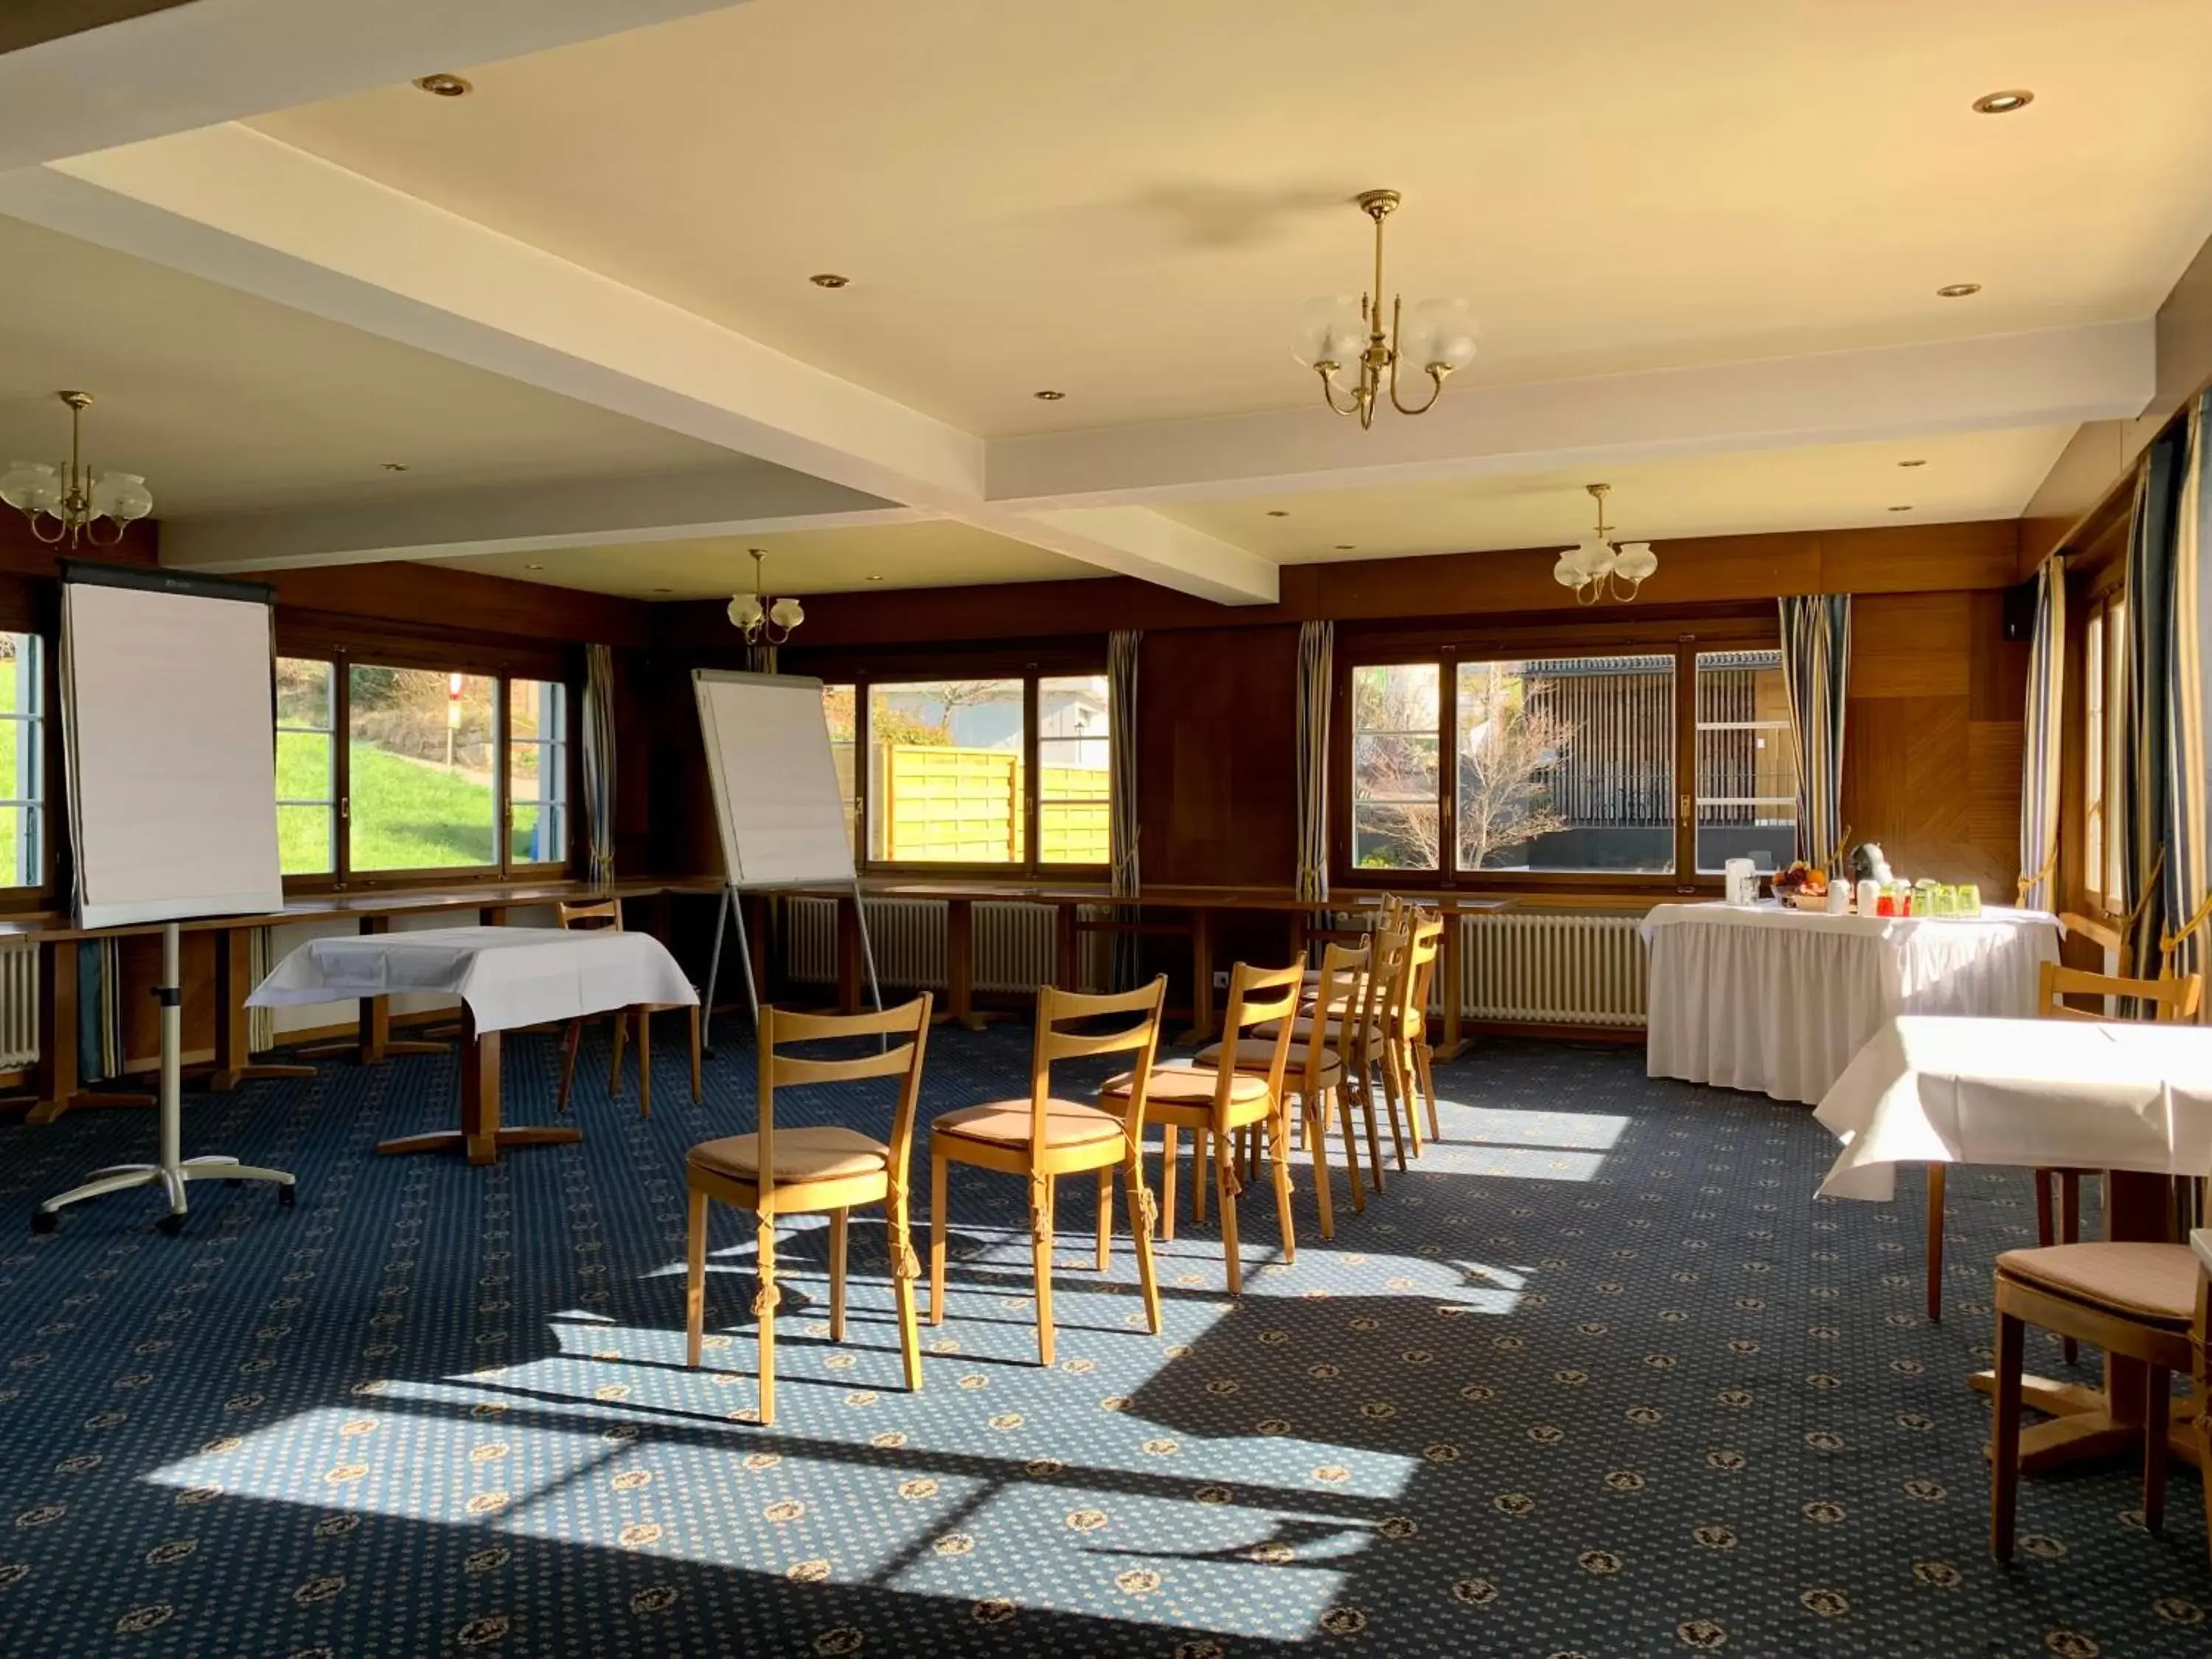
(600, 758)
(1123, 649)
(1317, 652)
(1816, 669)
(2168, 634)
(2043, 729)
(99, 1010)
(760, 658)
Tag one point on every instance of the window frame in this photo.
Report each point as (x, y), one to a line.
(2104, 612)
(1652, 634)
(863, 672)
(503, 669)
(34, 894)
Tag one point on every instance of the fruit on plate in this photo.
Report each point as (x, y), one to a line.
(1802, 877)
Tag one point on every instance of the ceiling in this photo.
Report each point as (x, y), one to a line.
(935, 554)
(228, 402)
(1970, 475)
(1128, 200)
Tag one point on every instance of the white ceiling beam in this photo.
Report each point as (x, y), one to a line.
(2055, 377)
(237, 207)
(746, 498)
(194, 65)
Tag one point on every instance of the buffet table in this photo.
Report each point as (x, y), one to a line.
(506, 978)
(1777, 1000)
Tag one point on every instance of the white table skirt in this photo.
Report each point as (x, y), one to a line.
(508, 976)
(2037, 1094)
(1778, 1001)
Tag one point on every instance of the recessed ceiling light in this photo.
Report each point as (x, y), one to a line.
(829, 279)
(1912, 463)
(1279, 512)
(1345, 547)
(1900, 509)
(533, 567)
(1957, 290)
(1048, 397)
(444, 86)
(2003, 103)
(395, 466)
(875, 578)
(664, 590)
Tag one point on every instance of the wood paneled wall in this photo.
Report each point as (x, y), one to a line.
(1932, 740)
(1216, 756)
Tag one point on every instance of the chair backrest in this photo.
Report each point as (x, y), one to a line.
(778, 1026)
(1393, 948)
(1056, 1008)
(2167, 1000)
(591, 912)
(1339, 1004)
(1257, 997)
(1409, 996)
(2106, 937)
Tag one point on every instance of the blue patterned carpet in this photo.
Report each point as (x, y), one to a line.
(1598, 1377)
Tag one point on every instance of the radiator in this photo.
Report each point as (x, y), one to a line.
(1552, 968)
(1013, 945)
(19, 1005)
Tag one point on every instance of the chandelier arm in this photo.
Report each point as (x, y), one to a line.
(61, 528)
(1328, 392)
(1589, 592)
(92, 532)
(1436, 372)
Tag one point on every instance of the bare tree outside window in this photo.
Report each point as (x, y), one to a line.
(1508, 744)
(1396, 817)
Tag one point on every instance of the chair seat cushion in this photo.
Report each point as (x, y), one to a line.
(1006, 1123)
(1254, 1054)
(1302, 1028)
(825, 1154)
(1181, 1083)
(2154, 1284)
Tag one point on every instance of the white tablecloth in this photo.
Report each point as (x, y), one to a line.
(2035, 1093)
(508, 976)
(1778, 1000)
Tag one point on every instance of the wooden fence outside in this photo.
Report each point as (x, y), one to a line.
(931, 803)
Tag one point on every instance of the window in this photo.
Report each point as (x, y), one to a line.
(1075, 778)
(838, 709)
(440, 771)
(538, 772)
(945, 772)
(307, 767)
(2104, 705)
(1746, 759)
(1601, 763)
(22, 761)
(2092, 757)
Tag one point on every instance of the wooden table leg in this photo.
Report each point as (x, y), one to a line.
(57, 1030)
(960, 963)
(848, 955)
(1066, 970)
(481, 1135)
(233, 1059)
(1201, 978)
(1448, 971)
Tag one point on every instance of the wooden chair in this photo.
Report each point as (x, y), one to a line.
(1043, 1138)
(1362, 1039)
(1216, 1102)
(1324, 1076)
(2144, 1301)
(607, 913)
(820, 1170)
(1409, 1030)
(2061, 1223)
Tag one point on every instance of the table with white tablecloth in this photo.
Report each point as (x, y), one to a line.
(506, 978)
(1778, 1001)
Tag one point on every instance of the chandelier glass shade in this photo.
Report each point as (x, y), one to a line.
(761, 619)
(71, 503)
(1343, 340)
(1598, 566)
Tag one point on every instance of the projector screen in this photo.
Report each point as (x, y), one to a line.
(777, 795)
(170, 743)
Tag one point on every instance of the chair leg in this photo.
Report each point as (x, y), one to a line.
(698, 1093)
(765, 1303)
(569, 1062)
(1425, 1057)
(837, 1240)
(1224, 1187)
(2045, 1234)
(1409, 1085)
(695, 1277)
(1105, 1217)
(1367, 1089)
(1313, 1114)
(1041, 1230)
(2204, 1459)
(901, 1243)
(613, 1067)
(1278, 1155)
(1393, 1088)
(1133, 1176)
(1936, 1173)
(1351, 1146)
(2158, 1391)
(1170, 1156)
(645, 1062)
(1201, 1143)
(2069, 1232)
(937, 1241)
(2004, 1437)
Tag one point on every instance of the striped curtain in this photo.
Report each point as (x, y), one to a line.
(600, 758)
(1816, 669)
(2044, 727)
(1317, 652)
(99, 1010)
(2169, 632)
(760, 658)
(1123, 647)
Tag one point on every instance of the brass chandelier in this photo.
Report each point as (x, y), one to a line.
(1598, 565)
(764, 620)
(72, 502)
(1344, 343)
